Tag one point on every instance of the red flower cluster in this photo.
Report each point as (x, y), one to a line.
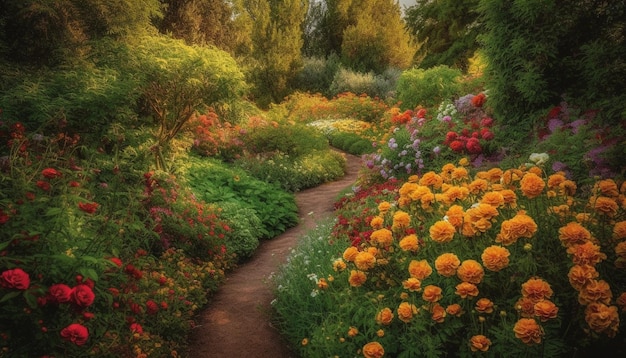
(50, 173)
(75, 333)
(468, 139)
(81, 295)
(89, 208)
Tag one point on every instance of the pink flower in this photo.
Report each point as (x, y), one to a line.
(15, 278)
(75, 333)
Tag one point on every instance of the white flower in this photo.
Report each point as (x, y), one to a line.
(539, 158)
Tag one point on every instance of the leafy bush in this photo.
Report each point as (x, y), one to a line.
(428, 87)
(350, 142)
(380, 86)
(317, 75)
(504, 261)
(293, 140)
(245, 226)
(214, 182)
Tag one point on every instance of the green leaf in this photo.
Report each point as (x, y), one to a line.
(9, 296)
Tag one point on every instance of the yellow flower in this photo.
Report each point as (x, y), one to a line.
(401, 220)
(305, 341)
(409, 243)
(455, 215)
(380, 333)
(464, 162)
(377, 222)
(350, 253)
(493, 198)
(478, 186)
(339, 265)
(383, 207)
(373, 350)
(420, 269)
(431, 179)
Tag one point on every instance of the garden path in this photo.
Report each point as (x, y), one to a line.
(236, 322)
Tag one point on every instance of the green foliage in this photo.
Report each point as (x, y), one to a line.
(446, 30)
(428, 87)
(245, 226)
(295, 174)
(180, 80)
(350, 142)
(317, 75)
(214, 182)
(292, 140)
(379, 86)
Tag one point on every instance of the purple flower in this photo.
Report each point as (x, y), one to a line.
(437, 150)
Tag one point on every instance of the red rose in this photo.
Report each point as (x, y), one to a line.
(486, 122)
(89, 208)
(478, 100)
(450, 136)
(152, 307)
(60, 293)
(457, 146)
(421, 113)
(44, 185)
(75, 333)
(136, 328)
(116, 261)
(82, 295)
(486, 134)
(50, 173)
(473, 146)
(15, 278)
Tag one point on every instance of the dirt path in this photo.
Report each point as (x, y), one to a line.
(236, 322)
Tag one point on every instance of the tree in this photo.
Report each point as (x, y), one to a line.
(277, 44)
(447, 31)
(43, 32)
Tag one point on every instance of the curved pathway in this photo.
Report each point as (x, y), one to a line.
(236, 323)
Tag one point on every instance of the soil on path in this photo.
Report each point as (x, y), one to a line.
(237, 321)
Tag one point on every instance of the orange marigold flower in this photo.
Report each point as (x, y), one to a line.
(322, 284)
(495, 258)
(350, 253)
(466, 289)
(531, 185)
(353, 331)
(470, 271)
(438, 313)
(478, 186)
(407, 188)
(545, 310)
(602, 318)
(619, 230)
(493, 198)
(357, 278)
(536, 289)
(455, 215)
(447, 264)
(412, 284)
(595, 291)
(377, 222)
(383, 207)
(459, 173)
(454, 309)
(555, 180)
(604, 205)
(384, 316)
(586, 254)
(510, 198)
(382, 237)
(573, 234)
(484, 305)
(442, 231)
(406, 312)
(409, 243)
(373, 350)
(606, 187)
(511, 175)
(580, 275)
(432, 293)
(364, 261)
(401, 220)
(431, 179)
(420, 269)
(620, 252)
(526, 307)
(494, 175)
(521, 225)
(479, 343)
(528, 331)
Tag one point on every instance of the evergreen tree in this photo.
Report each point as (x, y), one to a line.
(447, 31)
(276, 46)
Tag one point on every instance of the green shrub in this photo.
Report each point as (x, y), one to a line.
(292, 140)
(428, 87)
(350, 142)
(317, 75)
(245, 225)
